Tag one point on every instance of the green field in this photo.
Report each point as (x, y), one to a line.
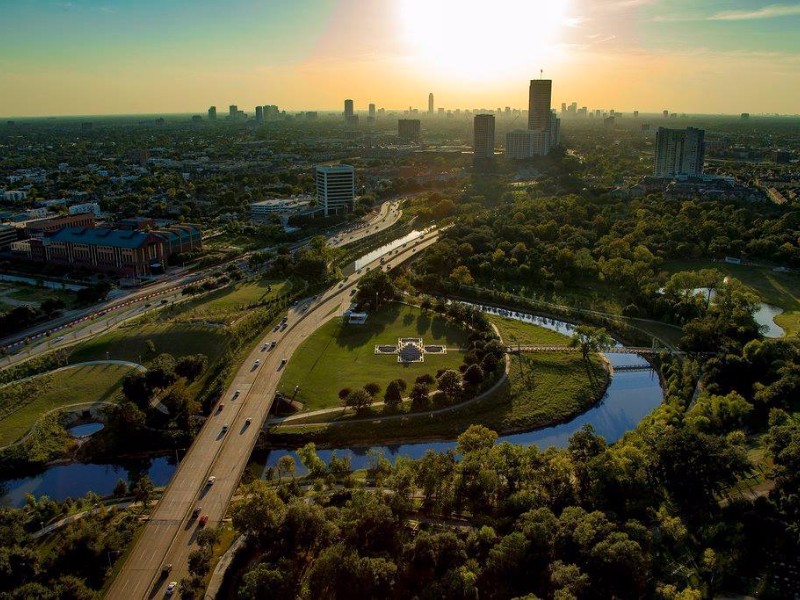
(234, 298)
(541, 390)
(91, 383)
(129, 342)
(513, 331)
(338, 356)
(30, 294)
(780, 289)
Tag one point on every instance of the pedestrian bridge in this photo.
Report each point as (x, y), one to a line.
(518, 348)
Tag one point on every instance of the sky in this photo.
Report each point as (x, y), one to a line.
(91, 57)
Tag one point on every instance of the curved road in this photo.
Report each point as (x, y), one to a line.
(169, 536)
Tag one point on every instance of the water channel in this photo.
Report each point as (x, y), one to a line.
(630, 397)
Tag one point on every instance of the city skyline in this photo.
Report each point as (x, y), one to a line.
(93, 57)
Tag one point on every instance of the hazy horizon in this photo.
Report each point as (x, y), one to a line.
(107, 57)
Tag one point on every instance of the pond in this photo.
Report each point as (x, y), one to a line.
(75, 480)
(765, 316)
(85, 430)
(630, 397)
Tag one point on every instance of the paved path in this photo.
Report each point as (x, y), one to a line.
(169, 536)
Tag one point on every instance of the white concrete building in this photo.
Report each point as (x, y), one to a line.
(89, 208)
(336, 188)
(526, 143)
(679, 152)
(15, 196)
(261, 211)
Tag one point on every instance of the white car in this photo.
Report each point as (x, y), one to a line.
(211, 480)
(173, 585)
(258, 362)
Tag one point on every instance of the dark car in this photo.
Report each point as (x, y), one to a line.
(165, 570)
(196, 512)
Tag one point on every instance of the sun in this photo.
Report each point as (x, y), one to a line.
(471, 39)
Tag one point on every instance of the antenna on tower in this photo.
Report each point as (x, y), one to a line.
(541, 73)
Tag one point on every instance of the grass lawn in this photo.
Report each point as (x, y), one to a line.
(541, 390)
(92, 383)
(129, 342)
(32, 294)
(780, 289)
(512, 331)
(234, 298)
(338, 356)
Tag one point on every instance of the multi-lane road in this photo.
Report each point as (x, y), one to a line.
(169, 536)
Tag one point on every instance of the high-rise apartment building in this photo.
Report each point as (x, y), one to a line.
(348, 110)
(539, 104)
(372, 111)
(430, 103)
(336, 188)
(212, 113)
(233, 111)
(408, 130)
(484, 136)
(679, 152)
(259, 113)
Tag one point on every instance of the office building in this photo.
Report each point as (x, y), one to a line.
(233, 111)
(261, 212)
(372, 111)
(745, 116)
(87, 208)
(8, 235)
(679, 152)
(408, 130)
(259, 114)
(430, 103)
(440, 111)
(348, 110)
(636, 114)
(131, 253)
(665, 114)
(212, 113)
(484, 137)
(539, 104)
(336, 188)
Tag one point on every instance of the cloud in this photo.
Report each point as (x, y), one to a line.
(772, 11)
(767, 12)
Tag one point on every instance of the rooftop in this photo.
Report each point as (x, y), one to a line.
(101, 236)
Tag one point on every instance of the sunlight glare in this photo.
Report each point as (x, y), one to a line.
(472, 39)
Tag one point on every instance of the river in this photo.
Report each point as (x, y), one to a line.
(631, 395)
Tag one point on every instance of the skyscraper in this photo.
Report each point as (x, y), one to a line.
(233, 111)
(372, 111)
(212, 113)
(336, 188)
(539, 104)
(348, 110)
(408, 129)
(259, 113)
(484, 136)
(679, 152)
(430, 103)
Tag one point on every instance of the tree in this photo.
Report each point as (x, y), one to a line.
(344, 393)
(200, 561)
(268, 581)
(375, 288)
(311, 460)
(373, 389)
(191, 366)
(450, 383)
(142, 489)
(121, 488)
(419, 397)
(286, 465)
(393, 396)
(137, 390)
(162, 371)
(259, 513)
(474, 375)
(360, 400)
(476, 438)
(590, 340)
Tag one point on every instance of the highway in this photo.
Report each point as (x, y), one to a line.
(85, 323)
(169, 535)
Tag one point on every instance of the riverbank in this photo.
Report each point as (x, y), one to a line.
(540, 391)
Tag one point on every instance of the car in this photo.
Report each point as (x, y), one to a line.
(341, 285)
(173, 585)
(264, 346)
(59, 339)
(273, 343)
(165, 570)
(196, 512)
(220, 407)
(236, 394)
(147, 305)
(248, 420)
(258, 362)
(165, 301)
(283, 361)
(225, 428)
(276, 328)
(211, 480)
